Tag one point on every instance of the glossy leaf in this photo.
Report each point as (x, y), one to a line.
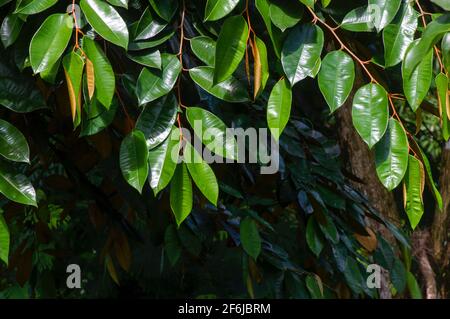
(119, 3)
(384, 12)
(217, 9)
(230, 47)
(13, 145)
(106, 21)
(163, 161)
(250, 238)
(156, 120)
(181, 194)
(413, 191)
(212, 132)
(165, 9)
(370, 113)
(399, 35)
(50, 41)
(279, 107)
(134, 159)
(148, 26)
(336, 78)
(33, 6)
(230, 90)
(263, 7)
(150, 59)
(444, 4)
(285, 14)
(204, 48)
(260, 66)
(4, 240)
(417, 81)
(432, 34)
(18, 92)
(153, 84)
(16, 187)
(201, 173)
(97, 117)
(391, 156)
(359, 20)
(445, 47)
(10, 29)
(105, 81)
(301, 50)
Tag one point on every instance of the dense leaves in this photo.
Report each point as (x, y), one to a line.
(139, 134)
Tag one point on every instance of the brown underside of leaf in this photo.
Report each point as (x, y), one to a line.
(257, 68)
(111, 269)
(90, 76)
(72, 96)
(368, 242)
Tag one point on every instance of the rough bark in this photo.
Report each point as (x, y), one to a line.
(441, 224)
(421, 250)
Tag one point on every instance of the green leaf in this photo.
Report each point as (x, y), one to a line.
(10, 29)
(336, 78)
(442, 83)
(230, 90)
(142, 45)
(97, 117)
(315, 286)
(250, 238)
(301, 50)
(398, 276)
(276, 36)
(13, 145)
(181, 194)
(148, 26)
(163, 161)
(172, 245)
(384, 12)
(391, 156)
(445, 47)
(33, 6)
(444, 4)
(204, 48)
(150, 59)
(153, 84)
(156, 120)
(413, 191)
(279, 107)
(358, 20)
(165, 9)
(313, 238)
(16, 187)
(119, 3)
(4, 240)
(413, 286)
(105, 80)
(417, 81)
(17, 91)
(309, 3)
(134, 159)
(429, 177)
(285, 14)
(399, 35)
(263, 61)
(212, 132)
(201, 173)
(217, 9)
(432, 34)
(50, 41)
(230, 47)
(73, 65)
(106, 21)
(370, 113)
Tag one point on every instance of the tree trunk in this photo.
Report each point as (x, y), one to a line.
(441, 225)
(361, 163)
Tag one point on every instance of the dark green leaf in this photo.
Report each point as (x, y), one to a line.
(250, 238)
(13, 145)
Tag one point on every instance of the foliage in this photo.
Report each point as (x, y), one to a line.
(95, 94)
